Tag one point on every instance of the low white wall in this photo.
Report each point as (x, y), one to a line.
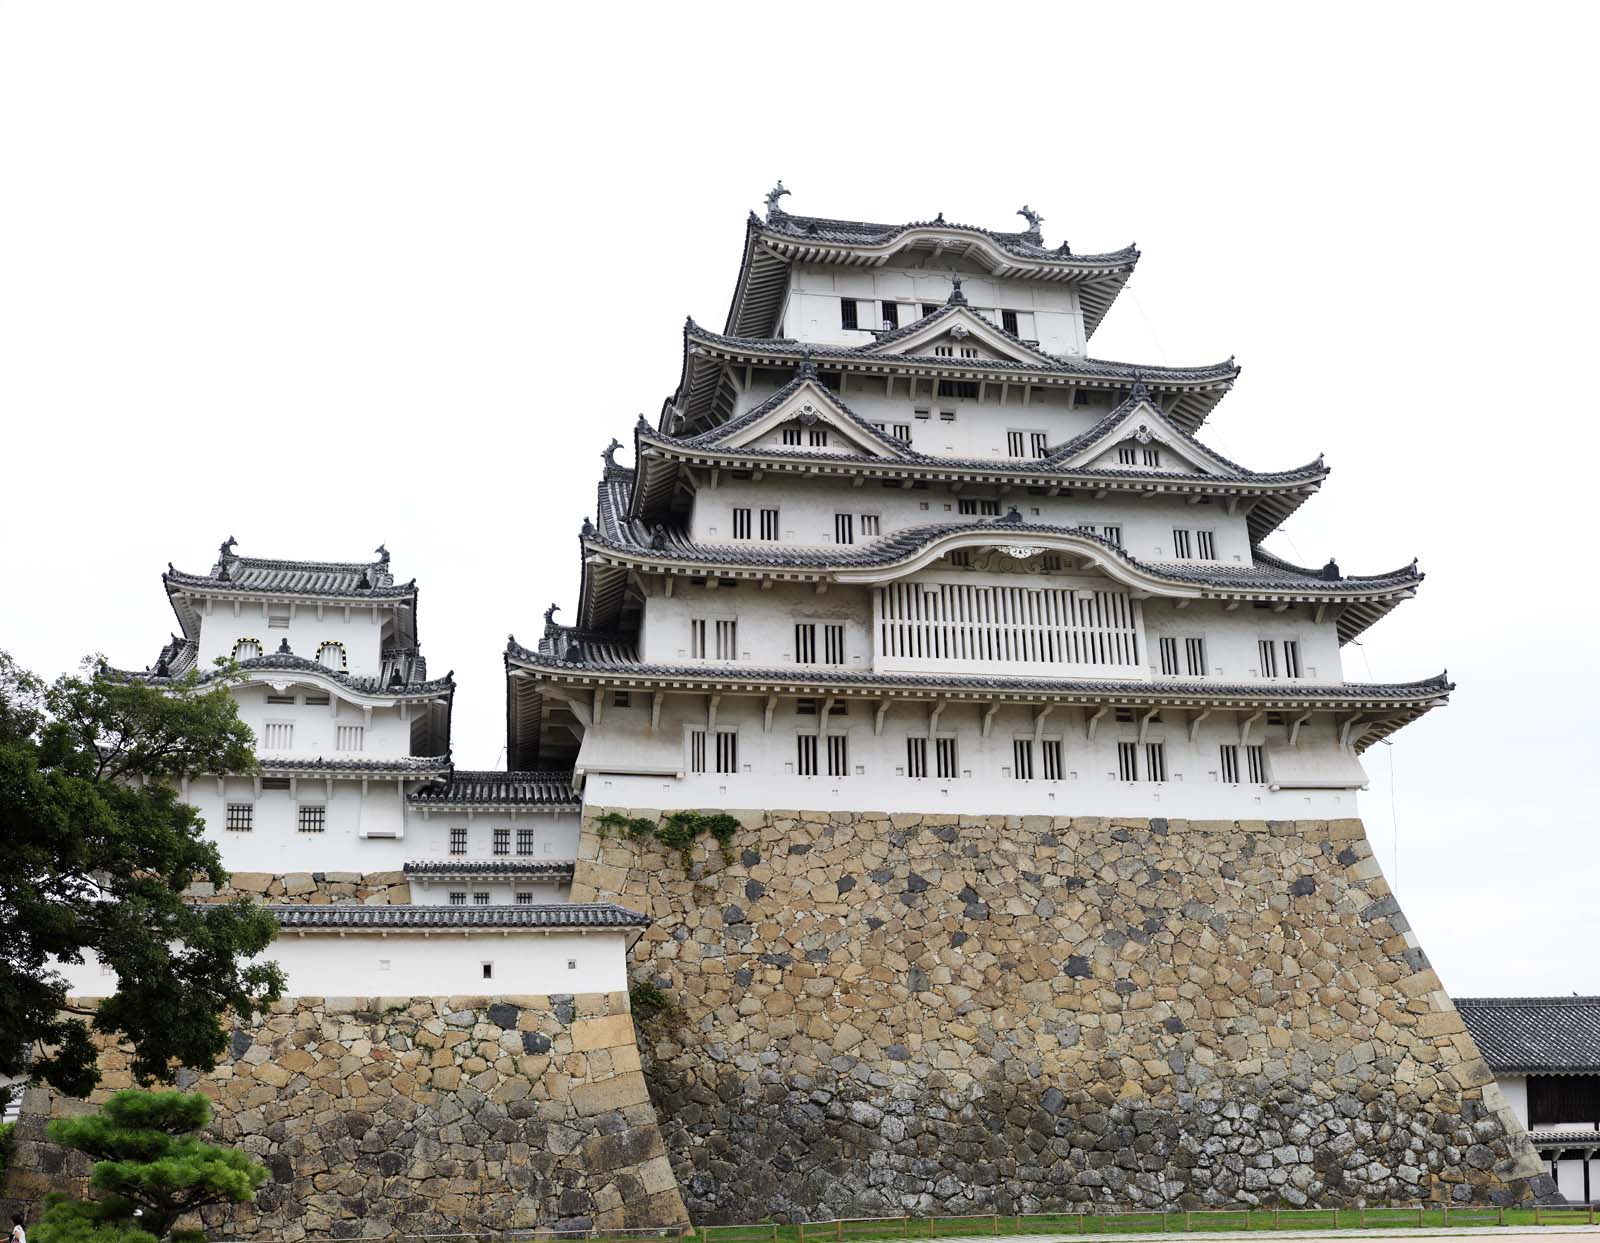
(442, 962)
(1515, 1090)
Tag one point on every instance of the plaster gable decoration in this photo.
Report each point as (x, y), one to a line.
(959, 322)
(1145, 425)
(810, 407)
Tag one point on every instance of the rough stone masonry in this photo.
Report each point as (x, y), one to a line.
(885, 1014)
(382, 1116)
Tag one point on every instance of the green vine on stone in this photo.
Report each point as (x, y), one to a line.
(677, 831)
(647, 1001)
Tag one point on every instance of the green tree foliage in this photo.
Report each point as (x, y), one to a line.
(150, 1169)
(96, 850)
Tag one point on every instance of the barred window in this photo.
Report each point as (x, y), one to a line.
(524, 897)
(1022, 759)
(769, 524)
(278, 736)
(697, 750)
(524, 841)
(350, 738)
(805, 643)
(1150, 455)
(313, 818)
(1256, 760)
(958, 388)
(791, 434)
(502, 841)
(805, 756)
(1014, 444)
(1128, 454)
(928, 308)
(458, 841)
(1194, 656)
(1230, 764)
(1268, 652)
(844, 529)
(481, 898)
(1039, 444)
(727, 751)
(1206, 542)
(945, 758)
(1169, 657)
(847, 313)
(1050, 753)
(1291, 658)
(741, 522)
(978, 506)
(916, 757)
(902, 431)
(241, 817)
(891, 315)
(833, 644)
(1113, 536)
(871, 524)
(458, 897)
(838, 755)
(818, 437)
(727, 640)
(1155, 761)
(1008, 321)
(1181, 544)
(1128, 761)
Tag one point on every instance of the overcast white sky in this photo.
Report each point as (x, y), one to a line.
(321, 276)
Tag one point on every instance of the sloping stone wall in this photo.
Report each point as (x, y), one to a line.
(387, 1115)
(885, 1014)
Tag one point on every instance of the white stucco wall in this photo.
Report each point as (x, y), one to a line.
(359, 627)
(372, 832)
(1515, 1090)
(626, 763)
(811, 312)
(807, 507)
(444, 962)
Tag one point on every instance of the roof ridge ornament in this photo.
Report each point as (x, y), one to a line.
(643, 424)
(773, 195)
(609, 453)
(956, 298)
(283, 647)
(588, 528)
(1013, 517)
(1138, 392)
(939, 219)
(1330, 572)
(1033, 218)
(364, 583)
(383, 554)
(225, 550)
(808, 367)
(550, 626)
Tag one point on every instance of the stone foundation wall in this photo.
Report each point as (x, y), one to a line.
(380, 1116)
(313, 888)
(916, 1013)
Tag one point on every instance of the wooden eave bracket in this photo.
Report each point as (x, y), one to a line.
(1039, 718)
(1144, 723)
(988, 716)
(1247, 723)
(1194, 721)
(1092, 722)
(1294, 727)
(877, 720)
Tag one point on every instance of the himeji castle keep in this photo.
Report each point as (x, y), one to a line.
(1034, 876)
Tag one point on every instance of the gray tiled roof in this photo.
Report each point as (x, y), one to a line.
(1051, 463)
(307, 578)
(183, 660)
(1268, 574)
(534, 915)
(557, 869)
(623, 659)
(475, 788)
(1564, 1137)
(1155, 375)
(1534, 1035)
(865, 233)
(393, 765)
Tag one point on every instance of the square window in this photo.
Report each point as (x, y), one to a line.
(241, 817)
(458, 841)
(313, 818)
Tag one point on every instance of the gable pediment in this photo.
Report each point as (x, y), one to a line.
(812, 418)
(962, 332)
(1139, 437)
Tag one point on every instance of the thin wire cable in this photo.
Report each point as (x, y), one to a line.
(1149, 327)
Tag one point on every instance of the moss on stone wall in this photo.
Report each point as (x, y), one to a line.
(916, 1013)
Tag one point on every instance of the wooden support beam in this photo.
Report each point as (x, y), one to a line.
(1246, 724)
(877, 720)
(933, 717)
(1144, 723)
(1041, 715)
(1348, 724)
(1194, 722)
(655, 710)
(1294, 727)
(713, 702)
(599, 704)
(822, 716)
(988, 716)
(1092, 723)
(766, 721)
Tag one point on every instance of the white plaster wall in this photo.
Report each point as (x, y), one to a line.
(766, 621)
(375, 832)
(806, 509)
(444, 963)
(812, 310)
(387, 729)
(626, 763)
(501, 892)
(361, 632)
(979, 428)
(1515, 1090)
(1570, 1180)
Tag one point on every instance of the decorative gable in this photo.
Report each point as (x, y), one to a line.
(1138, 436)
(807, 416)
(957, 332)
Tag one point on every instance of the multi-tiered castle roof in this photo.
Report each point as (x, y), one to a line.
(927, 387)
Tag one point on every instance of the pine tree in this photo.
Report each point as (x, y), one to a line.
(150, 1169)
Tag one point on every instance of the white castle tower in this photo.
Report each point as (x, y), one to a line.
(898, 542)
